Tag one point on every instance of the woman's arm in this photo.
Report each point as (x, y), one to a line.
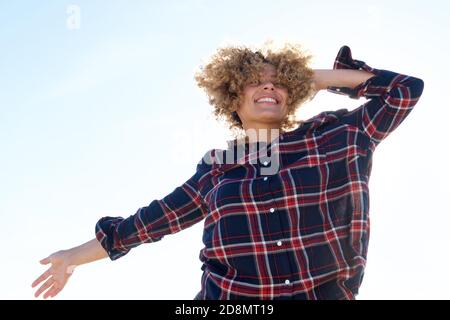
(62, 264)
(87, 252)
(324, 78)
(115, 236)
(180, 209)
(391, 95)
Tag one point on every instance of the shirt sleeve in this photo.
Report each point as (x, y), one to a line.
(180, 209)
(391, 96)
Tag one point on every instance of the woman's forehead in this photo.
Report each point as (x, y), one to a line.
(269, 71)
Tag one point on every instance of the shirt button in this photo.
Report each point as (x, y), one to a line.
(279, 243)
(265, 178)
(287, 281)
(272, 210)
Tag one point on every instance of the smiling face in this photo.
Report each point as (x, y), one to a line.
(263, 105)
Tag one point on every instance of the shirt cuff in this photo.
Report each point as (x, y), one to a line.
(104, 232)
(377, 85)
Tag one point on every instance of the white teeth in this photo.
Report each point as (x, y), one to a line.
(267, 100)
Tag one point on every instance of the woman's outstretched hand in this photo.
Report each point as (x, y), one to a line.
(62, 264)
(56, 276)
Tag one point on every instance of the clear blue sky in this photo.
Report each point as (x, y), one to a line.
(104, 118)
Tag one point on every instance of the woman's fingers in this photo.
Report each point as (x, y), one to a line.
(43, 277)
(44, 287)
(52, 292)
(54, 278)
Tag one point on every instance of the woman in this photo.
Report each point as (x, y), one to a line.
(286, 211)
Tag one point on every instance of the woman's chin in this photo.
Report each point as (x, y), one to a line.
(270, 115)
(269, 119)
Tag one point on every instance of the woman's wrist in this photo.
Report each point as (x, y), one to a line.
(85, 253)
(72, 256)
(324, 78)
(317, 80)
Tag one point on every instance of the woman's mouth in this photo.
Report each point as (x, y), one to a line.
(266, 100)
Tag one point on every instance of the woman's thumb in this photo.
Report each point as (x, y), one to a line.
(45, 260)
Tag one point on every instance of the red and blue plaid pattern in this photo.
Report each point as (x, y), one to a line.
(301, 233)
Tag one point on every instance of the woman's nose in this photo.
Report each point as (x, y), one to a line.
(269, 85)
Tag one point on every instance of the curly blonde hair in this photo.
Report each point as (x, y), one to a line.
(232, 67)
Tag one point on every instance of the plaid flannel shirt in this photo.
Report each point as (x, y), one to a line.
(300, 233)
